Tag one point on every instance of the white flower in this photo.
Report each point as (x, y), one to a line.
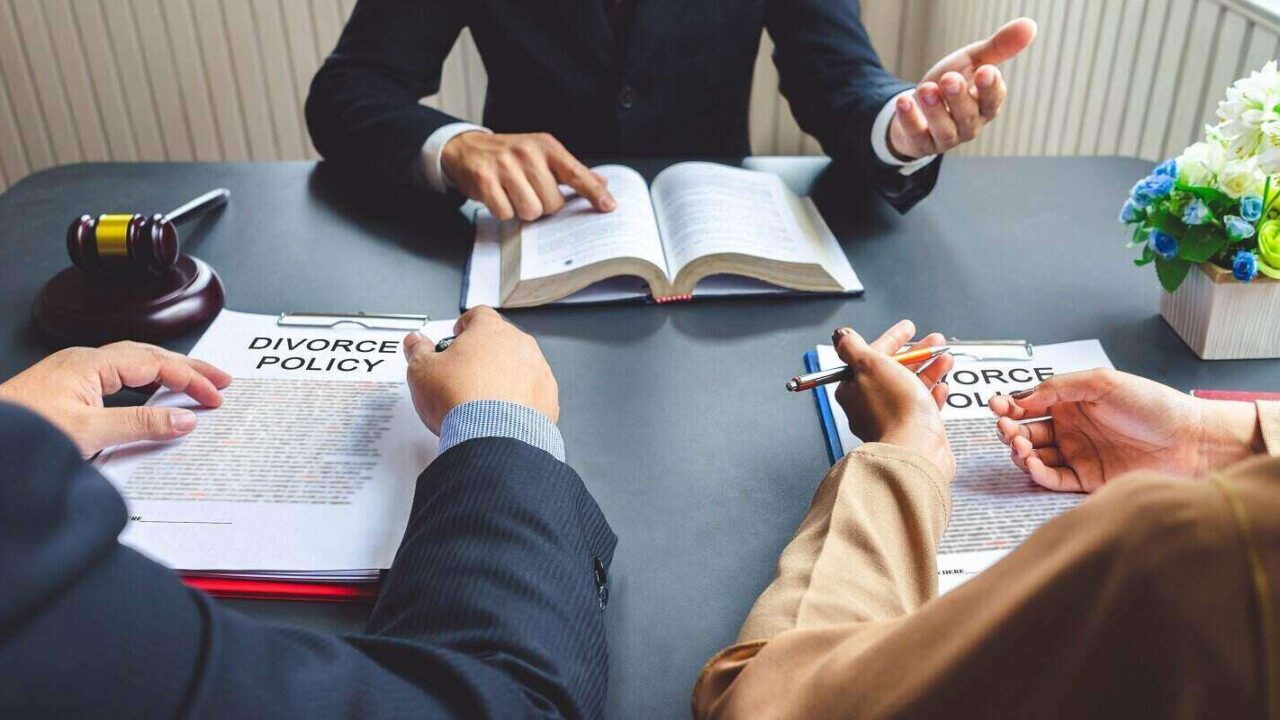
(1250, 114)
(1241, 177)
(1201, 163)
(1269, 161)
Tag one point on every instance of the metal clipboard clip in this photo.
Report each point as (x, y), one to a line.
(368, 321)
(993, 350)
(990, 350)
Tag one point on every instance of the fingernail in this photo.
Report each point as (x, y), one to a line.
(839, 333)
(985, 80)
(410, 341)
(929, 96)
(904, 104)
(182, 421)
(1022, 394)
(609, 204)
(951, 88)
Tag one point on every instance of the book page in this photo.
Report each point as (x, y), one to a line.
(578, 235)
(309, 465)
(994, 505)
(707, 208)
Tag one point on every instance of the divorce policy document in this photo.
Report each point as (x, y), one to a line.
(307, 469)
(994, 505)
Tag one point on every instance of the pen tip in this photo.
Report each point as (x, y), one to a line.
(792, 385)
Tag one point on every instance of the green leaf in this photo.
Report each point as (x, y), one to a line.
(1166, 222)
(1200, 243)
(1171, 273)
(1211, 196)
(1147, 256)
(1139, 235)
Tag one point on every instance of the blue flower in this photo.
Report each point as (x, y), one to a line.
(1168, 168)
(1245, 266)
(1237, 228)
(1196, 213)
(1130, 212)
(1163, 244)
(1150, 189)
(1251, 208)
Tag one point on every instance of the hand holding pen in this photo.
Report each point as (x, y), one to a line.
(887, 402)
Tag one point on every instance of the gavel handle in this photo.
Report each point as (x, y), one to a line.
(201, 205)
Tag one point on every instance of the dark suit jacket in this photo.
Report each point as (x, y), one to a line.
(491, 608)
(681, 88)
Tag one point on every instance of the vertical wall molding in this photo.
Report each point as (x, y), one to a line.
(226, 79)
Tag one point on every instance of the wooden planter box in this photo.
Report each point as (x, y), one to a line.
(1222, 318)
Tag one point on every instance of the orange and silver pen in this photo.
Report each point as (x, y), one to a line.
(914, 356)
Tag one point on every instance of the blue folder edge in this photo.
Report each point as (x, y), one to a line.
(824, 410)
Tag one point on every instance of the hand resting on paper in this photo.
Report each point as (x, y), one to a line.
(886, 402)
(68, 386)
(490, 359)
(1104, 423)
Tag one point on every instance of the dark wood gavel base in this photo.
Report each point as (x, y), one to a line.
(74, 308)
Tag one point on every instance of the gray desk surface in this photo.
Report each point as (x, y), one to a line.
(675, 416)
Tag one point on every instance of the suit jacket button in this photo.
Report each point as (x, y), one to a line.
(627, 97)
(602, 582)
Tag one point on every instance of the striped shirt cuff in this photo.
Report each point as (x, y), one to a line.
(497, 418)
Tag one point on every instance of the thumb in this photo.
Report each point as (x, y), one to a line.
(1012, 38)
(850, 346)
(1086, 386)
(414, 342)
(130, 424)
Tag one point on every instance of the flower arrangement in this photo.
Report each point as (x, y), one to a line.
(1217, 201)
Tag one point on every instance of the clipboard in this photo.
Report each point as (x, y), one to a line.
(318, 591)
(829, 430)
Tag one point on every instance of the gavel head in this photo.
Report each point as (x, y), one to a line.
(123, 246)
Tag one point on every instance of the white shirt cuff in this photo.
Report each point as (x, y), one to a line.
(880, 139)
(431, 149)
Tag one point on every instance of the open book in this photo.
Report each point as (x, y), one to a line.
(702, 228)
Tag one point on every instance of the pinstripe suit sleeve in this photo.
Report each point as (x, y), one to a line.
(490, 609)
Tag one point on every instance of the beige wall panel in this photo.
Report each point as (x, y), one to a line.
(86, 116)
(1122, 72)
(226, 79)
(1102, 74)
(51, 92)
(1167, 78)
(120, 125)
(19, 87)
(157, 65)
(1224, 67)
(283, 91)
(1194, 67)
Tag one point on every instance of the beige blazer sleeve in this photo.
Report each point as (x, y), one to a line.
(1269, 419)
(874, 524)
(1074, 623)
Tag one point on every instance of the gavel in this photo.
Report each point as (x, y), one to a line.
(127, 246)
(129, 279)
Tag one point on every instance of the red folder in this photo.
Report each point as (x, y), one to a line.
(1244, 395)
(284, 589)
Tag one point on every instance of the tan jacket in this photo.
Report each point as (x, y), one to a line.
(1155, 598)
